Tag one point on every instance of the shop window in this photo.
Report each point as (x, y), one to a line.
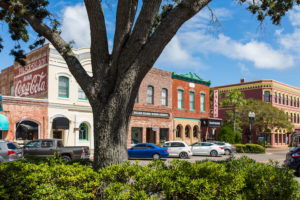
(150, 95)
(187, 131)
(275, 97)
(27, 130)
(202, 102)
(164, 97)
(279, 98)
(192, 101)
(276, 138)
(81, 94)
(163, 135)
(267, 96)
(280, 138)
(136, 135)
(195, 131)
(57, 134)
(83, 132)
(63, 87)
(178, 131)
(180, 99)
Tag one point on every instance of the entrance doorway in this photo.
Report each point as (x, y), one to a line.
(150, 136)
(57, 134)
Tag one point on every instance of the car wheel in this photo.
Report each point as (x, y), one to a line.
(183, 155)
(156, 156)
(227, 152)
(66, 158)
(214, 153)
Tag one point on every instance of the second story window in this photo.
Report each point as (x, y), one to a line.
(180, 99)
(164, 97)
(192, 101)
(298, 102)
(287, 99)
(202, 102)
(150, 95)
(283, 99)
(279, 100)
(63, 87)
(275, 97)
(11, 87)
(81, 94)
(295, 105)
(267, 96)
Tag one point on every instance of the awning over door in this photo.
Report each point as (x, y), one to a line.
(4, 124)
(60, 123)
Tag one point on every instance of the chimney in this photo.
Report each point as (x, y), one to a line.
(242, 80)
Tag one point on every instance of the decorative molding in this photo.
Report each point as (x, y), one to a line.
(58, 74)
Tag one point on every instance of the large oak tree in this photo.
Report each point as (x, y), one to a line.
(139, 39)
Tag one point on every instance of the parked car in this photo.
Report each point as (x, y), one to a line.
(228, 148)
(49, 147)
(292, 160)
(147, 150)
(178, 149)
(207, 148)
(9, 151)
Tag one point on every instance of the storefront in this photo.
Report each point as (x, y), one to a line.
(4, 126)
(209, 128)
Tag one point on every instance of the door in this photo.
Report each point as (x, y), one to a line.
(137, 151)
(196, 148)
(47, 148)
(177, 148)
(204, 148)
(150, 136)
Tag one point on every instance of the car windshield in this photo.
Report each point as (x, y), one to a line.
(32, 144)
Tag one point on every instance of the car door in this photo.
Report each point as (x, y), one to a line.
(3, 152)
(196, 149)
(47, 148)
(32, 148)
(177, 147)
(137, 151)
(170, 148)
(204, 148)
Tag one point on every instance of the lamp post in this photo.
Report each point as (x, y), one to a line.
(23, 118)
(251, 116)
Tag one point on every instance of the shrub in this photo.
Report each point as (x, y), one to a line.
(249, 148)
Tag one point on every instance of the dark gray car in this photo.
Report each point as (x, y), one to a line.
(9, 151)
(228, 148)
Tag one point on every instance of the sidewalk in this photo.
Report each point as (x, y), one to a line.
(278, 148)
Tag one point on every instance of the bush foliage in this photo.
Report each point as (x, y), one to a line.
(249, 148)
(241, 178)
(227, 134)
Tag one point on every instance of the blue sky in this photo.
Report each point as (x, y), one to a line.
(237, 47)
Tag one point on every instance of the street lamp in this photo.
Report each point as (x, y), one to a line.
(251, 116)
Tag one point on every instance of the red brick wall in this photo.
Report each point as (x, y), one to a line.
(16, 108)
(186, 113)
(6, 79)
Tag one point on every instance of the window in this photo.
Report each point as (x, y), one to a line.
(83, 132)
(295, 105)
(187, 131)
(195, 131)
(275, 97)
(150, 95)
(180, 99)
(291, 117)
(136, 135)
(178, 131)
(298, 102)
(283, 99)
(164, 97)
(291, 101)
(279, 100)
(33, 144)
(163, 134)
(287, 99)
(47, 144)
(81, 94)
(267, 96)
(295, 118)
(298, 119)
(63, 87)
(202, 102)
(177, 144)
(192, 101)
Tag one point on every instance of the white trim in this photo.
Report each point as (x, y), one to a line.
(58, 74)
(58, 115)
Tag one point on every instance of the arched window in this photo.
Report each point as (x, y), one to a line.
(178, 131)
(195, 131)
(83, 132)
(187, 131)
(63, 87)
(164, 97)
(150, 95)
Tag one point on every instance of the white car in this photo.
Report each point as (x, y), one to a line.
(207, 148)
(178, 149)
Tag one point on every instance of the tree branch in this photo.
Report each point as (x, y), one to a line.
(99, 44)
(140, 32)
(126, 12)
(166, 31)
(60, 45)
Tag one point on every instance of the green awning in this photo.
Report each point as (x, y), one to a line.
(4, 124)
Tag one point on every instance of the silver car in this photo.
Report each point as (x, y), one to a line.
(9, 151)
(228, 148)
(207, 148)
(178, 149)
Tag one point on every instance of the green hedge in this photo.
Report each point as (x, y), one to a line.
(249, 148)
(242, 178)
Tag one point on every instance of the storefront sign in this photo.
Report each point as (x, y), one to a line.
(1, 104)
(32, 79)
(150, 114)
(210, 123)
(216, 103)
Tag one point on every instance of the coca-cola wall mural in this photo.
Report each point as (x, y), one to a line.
(31, 79)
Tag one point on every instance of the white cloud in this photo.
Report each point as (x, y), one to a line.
(75, 26)
(294, 16)
(244, 70)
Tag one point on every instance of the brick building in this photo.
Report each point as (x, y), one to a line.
(151, 120)
(280, 95)
(190, 104)
(7, 81)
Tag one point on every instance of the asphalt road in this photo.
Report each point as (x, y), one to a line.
(274, 154)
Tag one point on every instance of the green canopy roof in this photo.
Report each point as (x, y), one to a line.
(4, 124)
(190, 77)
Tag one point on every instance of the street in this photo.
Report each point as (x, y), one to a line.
(274, 154)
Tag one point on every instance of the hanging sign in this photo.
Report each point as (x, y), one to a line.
(216, 103)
